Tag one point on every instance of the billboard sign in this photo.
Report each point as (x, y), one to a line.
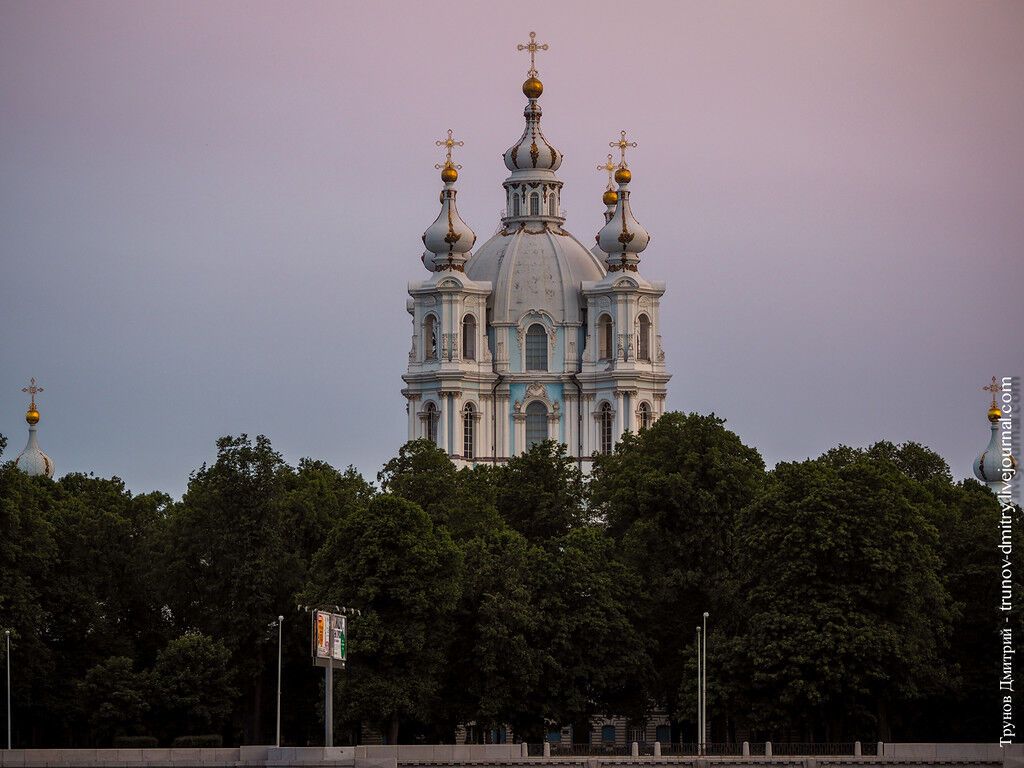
(330, 641)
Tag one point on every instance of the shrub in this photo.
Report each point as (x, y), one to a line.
(203, 740)
(135, 742)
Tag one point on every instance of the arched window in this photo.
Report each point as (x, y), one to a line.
(515, 204)
(536, 423)
(468, 431)
(552, 211)
(536, 348)
(535, 204)
(430, 428)
(430, 338)
(605, 342)
(644, 345)
(605, 423)
(469, 337)
(645, 416)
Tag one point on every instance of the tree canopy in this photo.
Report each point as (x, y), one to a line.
(851, 596)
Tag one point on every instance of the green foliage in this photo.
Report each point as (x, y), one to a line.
(203, 740)
(135, 742)
(848, 615)
(497, 657)
(669, 497)
(540, 493)
(404, 573)
(114, 699)
(850, 596)
(192, 682)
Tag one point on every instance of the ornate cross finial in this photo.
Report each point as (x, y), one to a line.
(31, 389)
(622, 144)
(993, 388)
(608, 165)
(533, 46)
(448, 144)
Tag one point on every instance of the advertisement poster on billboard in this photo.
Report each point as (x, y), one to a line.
(321, 634)
(330, 641)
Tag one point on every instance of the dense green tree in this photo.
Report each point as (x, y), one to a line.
(669, 497)
(231, 565)
(848, 615)
(404, 573)
(497, 656)
(113, 698)
(596, 653)
(460, 500)
(28, 553)
(540, 493)
(192, 683)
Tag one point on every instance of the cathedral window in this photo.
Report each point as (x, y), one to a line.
(645, 416)
(430, 426)
(644, 345)
(468, 431)
(430, 338)
(605, 424)
(469, 337)
(515, 204)
(536, 348)
(605, 341)
(552, 211)
(535, 204)
(536, 423)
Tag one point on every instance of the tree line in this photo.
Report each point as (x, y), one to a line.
(852, 596)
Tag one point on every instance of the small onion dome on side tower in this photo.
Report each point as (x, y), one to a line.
(610, 196)
(991, 466)
(622, 237)
(449, 239)
(32, 461)
(532, 151)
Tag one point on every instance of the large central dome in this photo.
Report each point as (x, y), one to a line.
(534, 270)
(533, 264)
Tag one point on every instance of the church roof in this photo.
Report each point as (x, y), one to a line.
(534, 269)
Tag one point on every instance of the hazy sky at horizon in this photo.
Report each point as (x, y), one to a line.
(210, 211)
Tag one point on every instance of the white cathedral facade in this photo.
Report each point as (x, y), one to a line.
(533, 336)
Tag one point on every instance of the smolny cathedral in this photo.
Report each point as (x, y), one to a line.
(533, 336)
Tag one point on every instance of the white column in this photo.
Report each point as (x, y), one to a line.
(619, 415)
(442, 421)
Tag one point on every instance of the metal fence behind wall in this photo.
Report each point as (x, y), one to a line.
(710, 749)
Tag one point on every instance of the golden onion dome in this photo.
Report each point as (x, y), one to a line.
(610, 197)
(994, 414)
(32, 416)
(623, 175)
(533, 88)
(448, 174)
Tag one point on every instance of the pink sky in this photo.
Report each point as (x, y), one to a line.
(209, 211)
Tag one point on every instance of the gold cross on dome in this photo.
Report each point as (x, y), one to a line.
(622, 144)
(448, 144)
(993, 388)
(533, 46)
(31, 389)
(608, 165)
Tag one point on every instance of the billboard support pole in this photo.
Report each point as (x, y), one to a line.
(329, 703)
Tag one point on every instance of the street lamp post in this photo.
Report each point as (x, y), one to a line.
(7, 632)
(700, 726)
(280, 631)
(704, 685)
